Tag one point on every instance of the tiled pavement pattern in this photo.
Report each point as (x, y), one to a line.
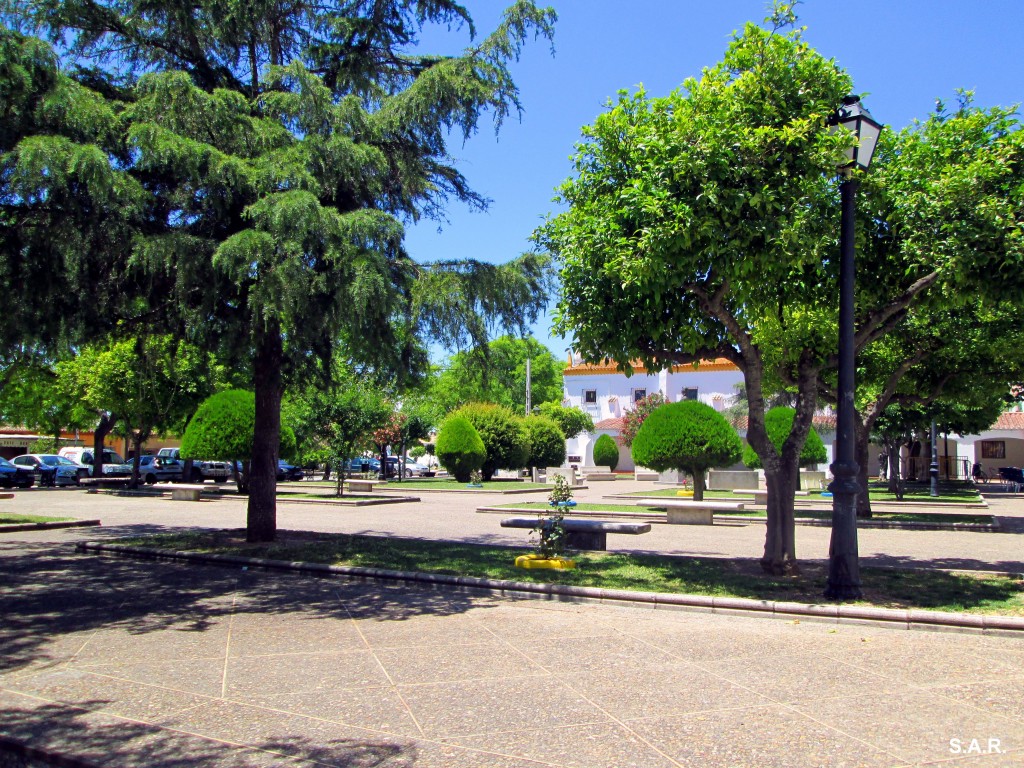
(129, 663)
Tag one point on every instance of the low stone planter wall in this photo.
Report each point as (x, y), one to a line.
(729, 479)
(812, 480)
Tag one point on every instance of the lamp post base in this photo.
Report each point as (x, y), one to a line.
(844, 565)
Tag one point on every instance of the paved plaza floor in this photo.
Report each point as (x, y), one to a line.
(121, 662)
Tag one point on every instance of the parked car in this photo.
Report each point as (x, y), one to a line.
(415, 469)
(51, 469)
(12, 476)
(113, 464)
(362, 464)
(286, 472)
(153, 469)
(218, 471)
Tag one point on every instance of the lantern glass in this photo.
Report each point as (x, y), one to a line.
(854, 118)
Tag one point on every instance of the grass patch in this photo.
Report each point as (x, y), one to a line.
(901, 517)
(936, 590)
(10, 519)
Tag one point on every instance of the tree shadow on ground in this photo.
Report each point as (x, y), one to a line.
(54, 595)
(46, 734)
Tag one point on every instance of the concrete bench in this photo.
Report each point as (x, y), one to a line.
(186, 492)
(583, 534)
(362, 486)
(693, 512)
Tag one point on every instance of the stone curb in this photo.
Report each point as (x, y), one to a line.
(341, 502)
(48, 526)
(908, 618)
(880, 524)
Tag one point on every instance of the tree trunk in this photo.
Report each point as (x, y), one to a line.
(262, 515)
(99, 436)
(892, 448)
(698, 485)
(137, 440)
(780, 537)
(862, 450)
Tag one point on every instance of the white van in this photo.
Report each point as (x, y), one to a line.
(113, 464)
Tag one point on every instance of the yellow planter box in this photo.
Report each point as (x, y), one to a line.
(684, 493)
(538, 561)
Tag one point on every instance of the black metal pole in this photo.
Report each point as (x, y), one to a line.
(844, 565)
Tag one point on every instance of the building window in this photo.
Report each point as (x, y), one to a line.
(993, 449)
(590, 396)
(639, 394)
(689, 393)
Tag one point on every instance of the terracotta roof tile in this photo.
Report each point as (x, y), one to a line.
(613, 423)
(579, 368)
(1009, 420)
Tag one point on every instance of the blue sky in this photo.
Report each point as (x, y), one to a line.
(903, 54)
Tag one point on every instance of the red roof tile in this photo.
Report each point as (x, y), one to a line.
(1009, 420)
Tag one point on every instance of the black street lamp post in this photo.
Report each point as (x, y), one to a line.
(844, 567)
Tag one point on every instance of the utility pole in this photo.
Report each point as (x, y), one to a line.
(528, 403)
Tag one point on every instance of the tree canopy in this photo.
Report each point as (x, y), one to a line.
(243, 175)
(497, 374)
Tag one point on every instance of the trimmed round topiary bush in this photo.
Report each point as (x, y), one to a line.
(688, 436)
(223, 429)
(606, 452)
(547, 443)
(459, 448)
(503, 433)
(778, 422)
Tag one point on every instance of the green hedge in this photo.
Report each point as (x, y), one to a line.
(606, 452)
(778, 422)
(503, 434)
(459, 448)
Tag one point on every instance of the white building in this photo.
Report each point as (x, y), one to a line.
(605, 393)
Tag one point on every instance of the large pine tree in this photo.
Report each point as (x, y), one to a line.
(244, 171)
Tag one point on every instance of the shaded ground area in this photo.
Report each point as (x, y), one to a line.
(127, 663)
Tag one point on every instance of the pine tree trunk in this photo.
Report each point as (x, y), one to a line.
(262, 516)
(780, 537)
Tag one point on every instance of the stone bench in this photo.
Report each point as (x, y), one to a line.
(693, 512)
(186, 492)
(362, 486)
(583, 534)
